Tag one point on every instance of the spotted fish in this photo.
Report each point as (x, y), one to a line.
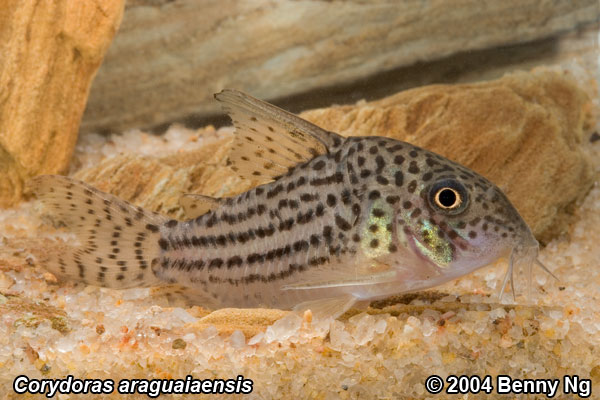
(337, 220)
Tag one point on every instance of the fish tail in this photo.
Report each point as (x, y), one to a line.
(115, 244)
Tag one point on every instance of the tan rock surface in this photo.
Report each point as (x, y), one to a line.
(168, 58)
(50, 53)
(157, 182)
(525, 132)
(249, 321)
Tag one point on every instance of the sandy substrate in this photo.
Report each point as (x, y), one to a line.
(50, 329)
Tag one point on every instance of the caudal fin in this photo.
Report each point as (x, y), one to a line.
(116, 241)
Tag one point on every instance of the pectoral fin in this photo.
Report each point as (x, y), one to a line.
(384, 277)
(364, 274)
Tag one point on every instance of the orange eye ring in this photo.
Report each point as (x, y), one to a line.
(447, 198)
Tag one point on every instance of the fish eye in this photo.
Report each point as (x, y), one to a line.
(449, 196)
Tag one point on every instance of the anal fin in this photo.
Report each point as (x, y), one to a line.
(178, 296)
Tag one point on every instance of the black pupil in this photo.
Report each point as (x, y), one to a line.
(447, 198)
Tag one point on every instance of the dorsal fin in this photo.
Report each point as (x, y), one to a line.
(194, 205)
(269, 140)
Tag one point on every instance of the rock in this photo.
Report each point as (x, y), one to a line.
(50, 53)
(34, 313)
(524, 132)
(249, 321)
(170, 57)
(158, 182)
